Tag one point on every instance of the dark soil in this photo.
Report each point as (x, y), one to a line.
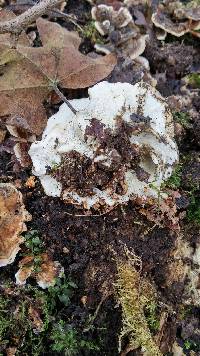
(79, 173)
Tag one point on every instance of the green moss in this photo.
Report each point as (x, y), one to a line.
(66, 339)
(194, 79)
(151, 314)
(193, 211)
(174, 181)
(90, 32)
(62, 332)
(5, 322)
(136, 294)
(62, 291)
(190, 345)
(185, 311)
(16, 326)
(33, 242)
(182, 118)
(35, 247)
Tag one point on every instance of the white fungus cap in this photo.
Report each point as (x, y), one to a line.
(107, 102)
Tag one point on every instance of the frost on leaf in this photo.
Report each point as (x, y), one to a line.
(12, 222)
(118, 147)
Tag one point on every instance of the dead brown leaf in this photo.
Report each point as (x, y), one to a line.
(29, 74)
(11, 351)
(35, 318)
(30, 183)
(163, 213)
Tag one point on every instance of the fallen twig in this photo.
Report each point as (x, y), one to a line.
(17, 24)
(88, 327)
(63, 98)
(51, 13)
(56, 12)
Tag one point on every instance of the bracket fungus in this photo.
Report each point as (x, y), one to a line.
(105, 16)
(122, 34)
(46, 275)
(119, 146)
(13, 216)
(177, 19)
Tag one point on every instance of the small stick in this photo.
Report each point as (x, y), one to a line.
(63, 98)
(70, 18)
(17, 24)
(88, 327)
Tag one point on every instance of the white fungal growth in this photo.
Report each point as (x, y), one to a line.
(117, 147)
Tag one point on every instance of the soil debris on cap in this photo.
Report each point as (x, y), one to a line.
(110, 153)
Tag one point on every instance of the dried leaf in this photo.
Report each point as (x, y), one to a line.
(30, 183)
(29, 74)
(35, 318)
(163, 213)
(11, 351)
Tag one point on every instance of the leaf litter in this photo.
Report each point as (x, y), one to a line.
(29, 74)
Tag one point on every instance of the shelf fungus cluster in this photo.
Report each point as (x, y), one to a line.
(177, 19)
(45, 275)
(13, 216)
(118, 146)
(123, 36)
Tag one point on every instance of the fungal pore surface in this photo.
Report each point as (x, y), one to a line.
(119, 146)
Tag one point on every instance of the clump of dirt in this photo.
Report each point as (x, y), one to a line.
(80, 173)
(94, 237)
